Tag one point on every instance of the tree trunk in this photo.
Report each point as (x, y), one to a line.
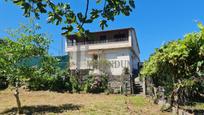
(16, 94)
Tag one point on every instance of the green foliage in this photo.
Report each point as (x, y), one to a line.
(96, 84)
(178, 66)
(22, 44)
(75, 84)
(39, 83)
(62, 12)
(49, 76)
(59, 81)
(19, 49)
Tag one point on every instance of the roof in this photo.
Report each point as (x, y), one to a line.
(104, 31)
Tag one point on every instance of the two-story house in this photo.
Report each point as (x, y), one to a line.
(119, 47)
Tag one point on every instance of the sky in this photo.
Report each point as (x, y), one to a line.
(155, 21)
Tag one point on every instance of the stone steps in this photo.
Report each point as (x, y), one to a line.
(138, 88)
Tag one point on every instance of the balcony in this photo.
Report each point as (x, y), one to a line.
(100, 44)
(97, 42)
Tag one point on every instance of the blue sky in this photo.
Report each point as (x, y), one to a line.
(155, 21)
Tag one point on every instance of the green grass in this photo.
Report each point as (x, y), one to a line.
(138, 101)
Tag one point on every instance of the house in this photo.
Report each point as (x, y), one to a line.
(119, 47)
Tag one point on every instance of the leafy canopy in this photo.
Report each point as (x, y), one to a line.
(63, 13)
(179, 65)
(21, 45)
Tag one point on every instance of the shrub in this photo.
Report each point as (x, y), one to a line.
(75, 85)
(61, 82)
(39, 83)
(58, 82)
(96, 84)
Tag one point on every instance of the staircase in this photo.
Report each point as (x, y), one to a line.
(138, 88)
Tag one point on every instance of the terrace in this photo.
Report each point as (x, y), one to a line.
(102, 37)
(88, 42)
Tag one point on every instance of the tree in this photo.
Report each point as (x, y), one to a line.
(62, 13)
(178, 67)
(22, 44)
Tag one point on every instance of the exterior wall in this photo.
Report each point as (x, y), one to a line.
(134, 43)
(135, 54)
(119, 58)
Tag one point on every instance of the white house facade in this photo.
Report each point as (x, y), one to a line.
(119, 47)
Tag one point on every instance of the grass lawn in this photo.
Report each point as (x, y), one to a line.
(52, 103)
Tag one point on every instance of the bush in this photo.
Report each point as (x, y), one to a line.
(75, 85)
(39, 83)
(58, 82)
(96, 84)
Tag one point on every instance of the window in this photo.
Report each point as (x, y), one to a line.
(103, 37)
(95, 57)
(120, 35)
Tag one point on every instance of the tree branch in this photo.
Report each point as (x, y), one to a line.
(104, 6)
(86, 12)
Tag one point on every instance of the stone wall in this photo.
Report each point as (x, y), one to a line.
(117, 84)
(120, 84)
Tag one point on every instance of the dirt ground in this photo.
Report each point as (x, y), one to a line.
(52, 103)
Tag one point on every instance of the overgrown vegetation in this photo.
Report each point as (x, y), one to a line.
(59, 81)
(178, 66)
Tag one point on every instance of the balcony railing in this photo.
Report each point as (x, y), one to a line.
(97, 42)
